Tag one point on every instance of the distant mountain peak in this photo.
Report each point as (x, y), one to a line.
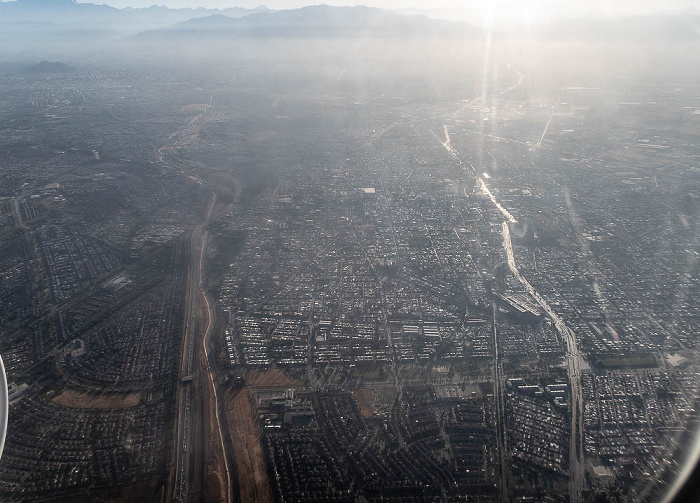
(50, 67)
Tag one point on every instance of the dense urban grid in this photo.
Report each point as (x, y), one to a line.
(231, 285)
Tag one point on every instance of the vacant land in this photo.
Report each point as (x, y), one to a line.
(274, 378)
(364, 398)
(196, 107)
(253, 483)
(215, 484)
(80, 400)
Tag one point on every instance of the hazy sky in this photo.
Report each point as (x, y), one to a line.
(474, 10)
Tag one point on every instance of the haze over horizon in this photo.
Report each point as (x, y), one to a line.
(476, 11)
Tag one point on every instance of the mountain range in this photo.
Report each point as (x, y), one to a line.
(318, 21)
(69, 14)
(56, 29)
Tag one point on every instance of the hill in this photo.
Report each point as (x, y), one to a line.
(50, 67)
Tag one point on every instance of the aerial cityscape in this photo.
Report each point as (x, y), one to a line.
(244, 259)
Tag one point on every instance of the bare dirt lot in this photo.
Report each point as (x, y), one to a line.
(214, 486)
(364, 397)
(274, 378)
(195, 107)
(253, 483)
(80, 400)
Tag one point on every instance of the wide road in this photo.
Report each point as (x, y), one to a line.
(501, 433)
(184, 446)
(573, 363)
(183, 439)
(573, 356)
(189, 447)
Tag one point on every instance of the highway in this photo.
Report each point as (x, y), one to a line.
(546, 128)
(501, 433)
(183, 441)
(573, 363)
(189, 423)
(448, 145)
(493, 199)
(573, 356)
(184, 436)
